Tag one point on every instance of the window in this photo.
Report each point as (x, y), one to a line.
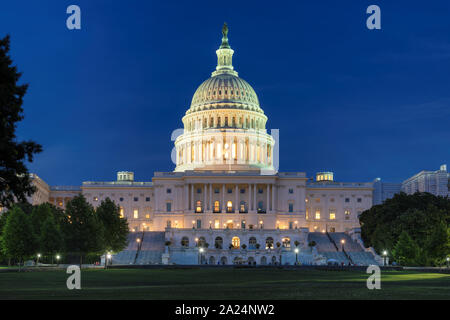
(291, 207)
(121, 199)
(147, 216)
(242, 208)
(236, 242)
(359, 199)
(317, 214)
(201, 242)
(347, 214)
(199, 190)
(332, 214)
(269, 243)
(291, 191)
(168, 207)
(252, 243)
(216, 190)
(95, 198)
(243, 224)
(121, 212)
(217, 224)
(147, 199)
(291, 225)
(218, 243)
(198, 207)
(168, 190)
(242, 190)
(260, 190)
(216, 206)
(347, 199)
(229, 190)
(229, 206)
(260, 207)
(286, 242)
(136, 213)
(185, 242)
(136, 199)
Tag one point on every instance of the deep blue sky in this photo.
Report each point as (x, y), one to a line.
(361, 103)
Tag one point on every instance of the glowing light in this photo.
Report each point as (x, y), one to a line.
(296, 250)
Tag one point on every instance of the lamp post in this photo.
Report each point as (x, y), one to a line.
(57, 259)
(384, 257)
(342, 242)
(200, 255)
(107, 257)
(296, 256)
(38, 256)
(448, 262)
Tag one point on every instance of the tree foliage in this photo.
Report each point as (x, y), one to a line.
(425, 218)
(15, 182)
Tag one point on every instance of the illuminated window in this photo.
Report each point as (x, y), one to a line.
(269, 243)
(307, 213)
(242, 207)
(95, 198)
(136, 213)
(317, 214)
(347, 214)
(121, 212)
(216, 206)
(332, 214)
(229, 206)
(147, 216)
(217, 224)
(198, 207)
(236, 242)
(286, 242)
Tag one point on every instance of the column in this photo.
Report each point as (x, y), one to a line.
(236, 206)
(186, 197)
(268, 199)
(273, 197)
(204, 197)
(223, 198)
(210, 197)
(155, 189)
(250, 208)
(192, 197)
(255, 205)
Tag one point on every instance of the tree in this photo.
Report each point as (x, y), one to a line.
(83, 231)
(15, 182)
(18, 239)
(406, 252)
(115, 228)
(39, 215)
(50, 238)
(423, 216)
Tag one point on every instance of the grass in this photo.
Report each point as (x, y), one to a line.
(223, 283)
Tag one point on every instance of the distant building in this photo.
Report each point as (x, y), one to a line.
(384, 190)
(435, 182)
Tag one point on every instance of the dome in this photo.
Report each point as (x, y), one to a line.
(225, 91)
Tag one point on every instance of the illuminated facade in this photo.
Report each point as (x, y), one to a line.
(225, 187)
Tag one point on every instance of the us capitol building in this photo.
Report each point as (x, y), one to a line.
(225, 202)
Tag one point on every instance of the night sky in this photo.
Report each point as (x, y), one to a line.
(361, 103)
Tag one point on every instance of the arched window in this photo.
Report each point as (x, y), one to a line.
(274, 260)
(229, 206)
(218, 243)
(263, 261)
(223, 260)
(201, 242)
(198, 207)
(269, 243)
(286, 242)
(212, 260)
(252, 243)
(236, 242)
(185, 242)
(216, 206)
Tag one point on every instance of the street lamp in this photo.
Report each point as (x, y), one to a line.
(384, 257)
(448, 262)
(200, 256)
(57, 258)
(296, 256)
(342, 242)
(38, 256)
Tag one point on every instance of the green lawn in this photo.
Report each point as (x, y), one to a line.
(223, 283)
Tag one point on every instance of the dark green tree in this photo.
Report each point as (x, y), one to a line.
(115, 229)
(18, 239)
(406, 252)
(39, 215)
(83, 231)
(50, 238)
(15, 182)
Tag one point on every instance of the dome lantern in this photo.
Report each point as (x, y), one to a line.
(224, 55)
